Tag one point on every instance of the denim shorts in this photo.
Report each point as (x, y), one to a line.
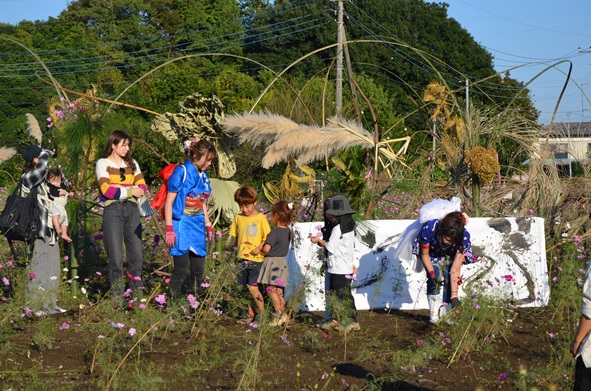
(249, 272)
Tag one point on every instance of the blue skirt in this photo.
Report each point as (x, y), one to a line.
(190, 235)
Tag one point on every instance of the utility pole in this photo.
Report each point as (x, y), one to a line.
(582, 89)
(467, 99)
(340, 40)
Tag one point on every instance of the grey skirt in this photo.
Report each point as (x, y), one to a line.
(274, 272)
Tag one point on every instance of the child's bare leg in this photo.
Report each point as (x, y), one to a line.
(258, 298)
(65, 233)
(282, 301)
(274, 295)
(55, 219)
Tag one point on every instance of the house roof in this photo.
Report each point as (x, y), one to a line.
(568, 130)
(555, 161)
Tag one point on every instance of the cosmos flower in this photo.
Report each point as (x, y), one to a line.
(160, 299)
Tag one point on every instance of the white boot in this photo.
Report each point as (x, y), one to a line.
(435, 302)
(444, 310)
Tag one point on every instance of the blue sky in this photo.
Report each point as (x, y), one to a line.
(536, 34)
(533, 34)
(13, 11)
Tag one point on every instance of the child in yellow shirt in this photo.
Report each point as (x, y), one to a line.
(250, 228)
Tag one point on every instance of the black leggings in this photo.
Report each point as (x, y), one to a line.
(340, 286)
(181, 264)
(582, 376)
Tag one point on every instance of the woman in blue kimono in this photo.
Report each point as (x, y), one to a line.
(443, 246)
(187, 222)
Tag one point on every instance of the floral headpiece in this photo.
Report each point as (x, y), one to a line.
(289, 204)
(190, 142)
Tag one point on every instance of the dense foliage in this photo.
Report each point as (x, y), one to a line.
(173, 48)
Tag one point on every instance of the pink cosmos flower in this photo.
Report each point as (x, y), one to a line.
(32, 275)
(280, 282)
(133, 278)
(64, 326)
(193, 301)
(132, 331)
(6, 281)
(508, 277)
(502, 376)
(160, 299)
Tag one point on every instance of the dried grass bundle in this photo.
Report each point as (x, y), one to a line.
(285, 138)
(309, 143)
(259, 128)
(34, 129)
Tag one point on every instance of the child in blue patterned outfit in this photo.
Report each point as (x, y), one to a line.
(443, 246)
(187, 221)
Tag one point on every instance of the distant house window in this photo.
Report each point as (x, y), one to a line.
(560, 151)
(588, 151)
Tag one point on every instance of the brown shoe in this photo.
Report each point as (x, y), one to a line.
(350, 327)
(329, 326)
(280, 319)
(246, 320)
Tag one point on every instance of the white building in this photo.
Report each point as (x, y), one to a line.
(568, 143)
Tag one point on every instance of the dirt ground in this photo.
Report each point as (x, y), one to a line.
(299, 357)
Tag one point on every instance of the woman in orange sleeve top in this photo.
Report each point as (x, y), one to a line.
(121, 183)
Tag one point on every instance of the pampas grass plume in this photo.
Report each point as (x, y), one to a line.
(6, 153)
(34, 129)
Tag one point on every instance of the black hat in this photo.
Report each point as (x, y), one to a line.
(338, 206)
(31, 152)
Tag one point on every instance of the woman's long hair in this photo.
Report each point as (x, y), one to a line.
(452, 226)
(29, 166)
(116, 137)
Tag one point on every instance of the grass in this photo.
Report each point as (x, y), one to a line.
(163, 345)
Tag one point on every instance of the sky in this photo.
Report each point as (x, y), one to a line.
(536, 34)
(530, 34)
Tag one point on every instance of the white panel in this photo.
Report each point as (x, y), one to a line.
(511, 265)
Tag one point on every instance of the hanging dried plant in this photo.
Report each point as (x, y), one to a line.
(483, 163)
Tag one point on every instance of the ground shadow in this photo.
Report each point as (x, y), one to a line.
(359, 372)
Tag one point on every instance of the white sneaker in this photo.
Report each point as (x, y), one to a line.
(59, 310)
